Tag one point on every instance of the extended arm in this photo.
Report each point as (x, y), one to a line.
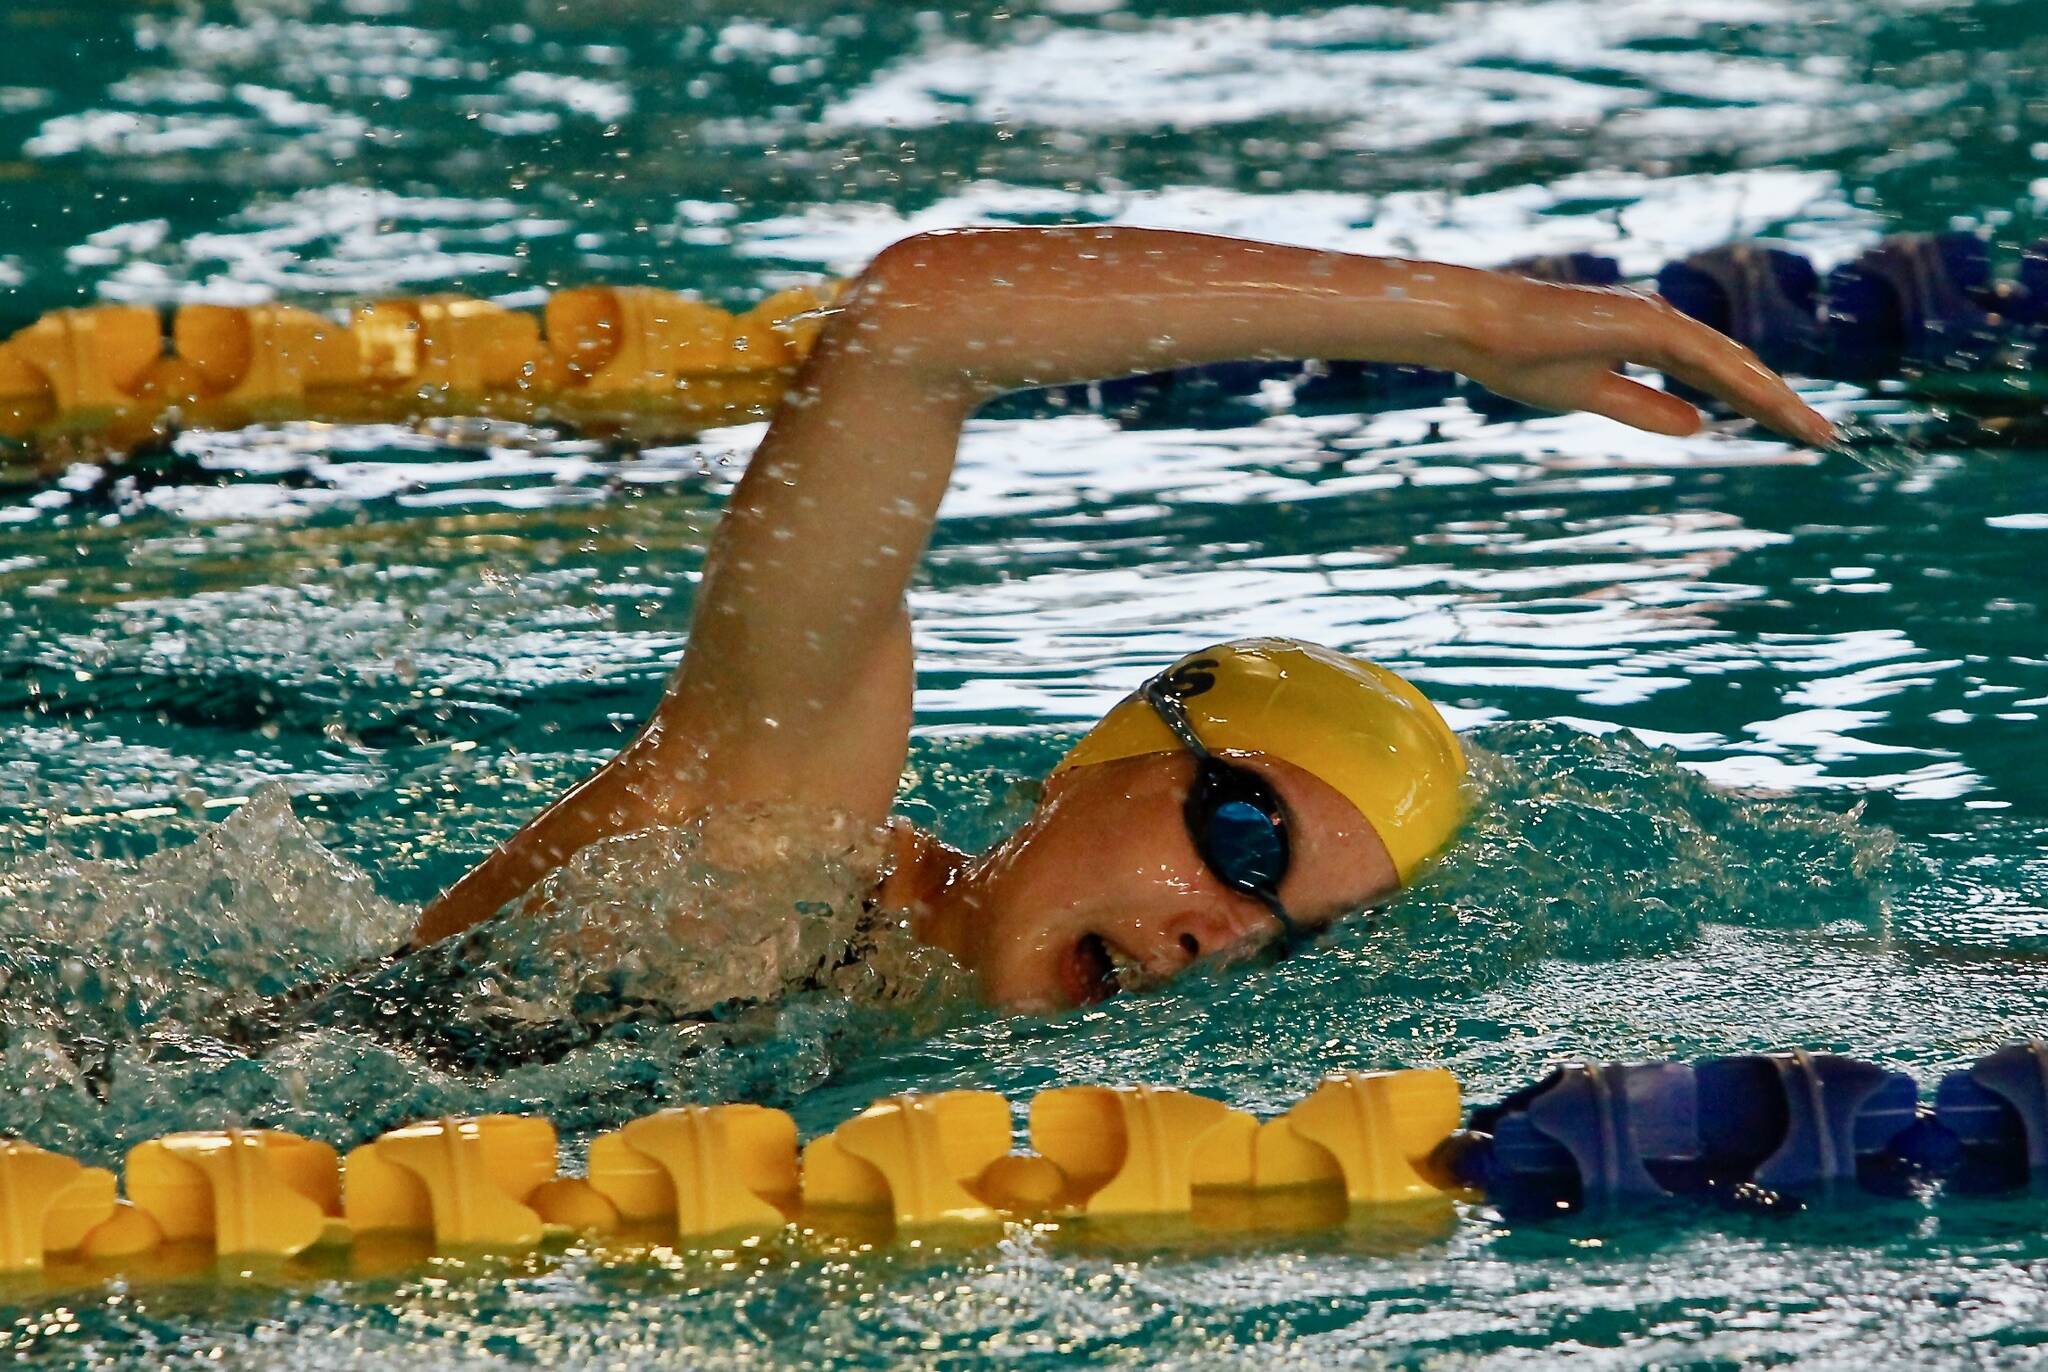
(795, 687)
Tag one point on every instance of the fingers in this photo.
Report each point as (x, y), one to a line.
(1560, 329)
(1640, 406)
(1689, 351)
(1596, 389)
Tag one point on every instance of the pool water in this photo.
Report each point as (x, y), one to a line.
(1759, 729)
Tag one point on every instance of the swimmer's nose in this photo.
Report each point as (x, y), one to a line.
(1212, 933)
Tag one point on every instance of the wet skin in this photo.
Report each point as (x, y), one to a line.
(1102, 887)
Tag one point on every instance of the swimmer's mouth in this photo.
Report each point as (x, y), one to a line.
(1095, 969)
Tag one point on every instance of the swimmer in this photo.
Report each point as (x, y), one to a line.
(1250, 792)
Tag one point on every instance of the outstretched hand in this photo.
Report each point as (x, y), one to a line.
(1557, 347)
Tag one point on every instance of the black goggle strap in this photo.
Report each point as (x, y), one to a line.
(1173, 713)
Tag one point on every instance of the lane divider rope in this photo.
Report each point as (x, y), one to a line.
(1766, 1129)
(646, 363)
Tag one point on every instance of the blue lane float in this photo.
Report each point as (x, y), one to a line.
(1992, 1120)
(1787, 1122)
(1588, 1133)
(1767, 299)
(1760, 1130)
(1924, 302)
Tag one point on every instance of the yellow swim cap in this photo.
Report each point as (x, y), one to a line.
(1355, 725)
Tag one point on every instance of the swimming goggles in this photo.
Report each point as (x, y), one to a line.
(1233, 815)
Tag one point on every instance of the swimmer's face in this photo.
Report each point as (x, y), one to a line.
(1102, 887)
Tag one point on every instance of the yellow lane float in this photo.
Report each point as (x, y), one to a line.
(694, 1173)
(1126, 1150)
(255, 1192)
(702, 1169)
(633, 360)
(48, 1204)
(917, 1156)
(465, 1181)
(1371, 1134)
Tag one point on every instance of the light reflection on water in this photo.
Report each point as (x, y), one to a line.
(422, 634)
(1641, 221)
(1563, 62)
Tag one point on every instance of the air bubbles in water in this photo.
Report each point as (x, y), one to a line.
(1593, 847)
(688, 963)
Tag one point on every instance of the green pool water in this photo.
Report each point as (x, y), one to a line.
(1759, 730)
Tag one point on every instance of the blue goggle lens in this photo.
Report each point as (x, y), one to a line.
(1244, 846)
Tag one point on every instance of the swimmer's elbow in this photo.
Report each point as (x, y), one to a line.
(924, 266)
(904, 286)
(913, 306)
